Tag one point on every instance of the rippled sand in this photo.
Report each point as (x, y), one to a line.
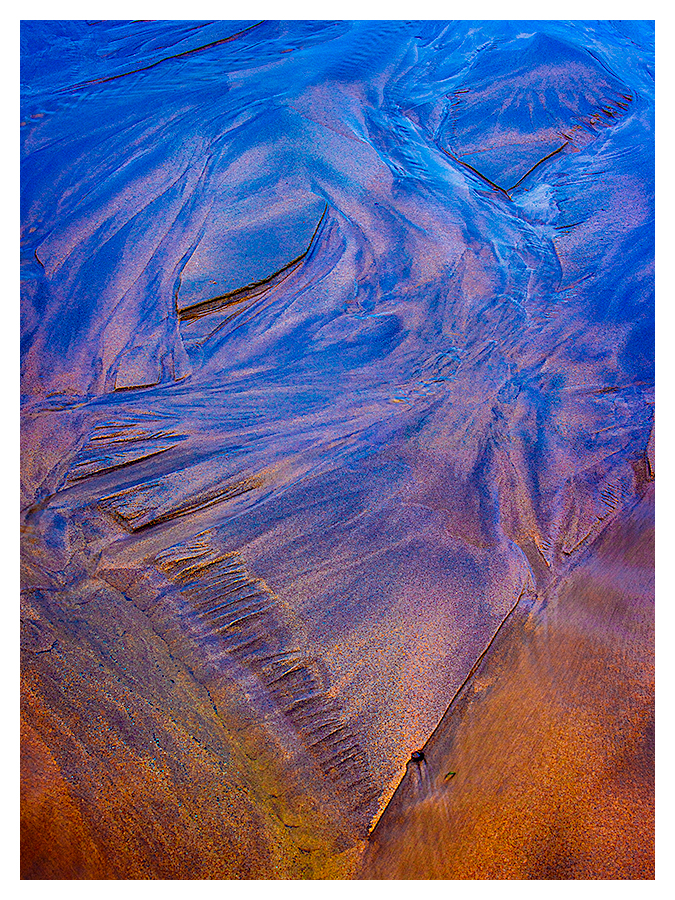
(337, 445)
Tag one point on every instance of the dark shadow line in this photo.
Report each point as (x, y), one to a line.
(476, 172)
(231, 298)
(542, 160)
(147, 68)
(473, 669)
(76, 479)
(448, 710)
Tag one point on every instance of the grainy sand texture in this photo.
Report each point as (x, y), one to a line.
(337, 464)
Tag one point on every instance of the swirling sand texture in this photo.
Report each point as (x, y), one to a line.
(337, 444)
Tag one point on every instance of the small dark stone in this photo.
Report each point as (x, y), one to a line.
(417, 755)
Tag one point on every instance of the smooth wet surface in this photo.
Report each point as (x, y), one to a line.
(337, 361)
